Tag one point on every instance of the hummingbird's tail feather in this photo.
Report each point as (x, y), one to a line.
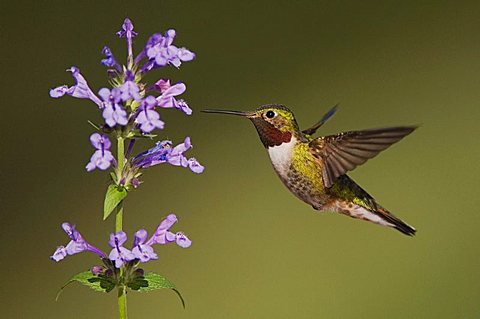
(397, 223)
(379, 216)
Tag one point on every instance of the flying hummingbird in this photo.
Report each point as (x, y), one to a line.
(314, 169)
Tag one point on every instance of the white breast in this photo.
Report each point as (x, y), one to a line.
(281, 156)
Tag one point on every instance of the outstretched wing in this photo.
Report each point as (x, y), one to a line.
(345, 151)
(311, 130)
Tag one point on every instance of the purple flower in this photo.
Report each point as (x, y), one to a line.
(113, 112)
(127, 30)
(129, 88)
(163, 152)
(109, 59)
(142, 251)
(147, 117)
(169, 92)
(163, 235)
(176, 157)
(160, 51)
(119, 254)
(80, 90)
(128, 33)
(102, 157)
(76, 245)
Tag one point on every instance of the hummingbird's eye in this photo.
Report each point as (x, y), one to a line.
(270, 114)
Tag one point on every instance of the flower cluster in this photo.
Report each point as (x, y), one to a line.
(130, 109)
(142, 249)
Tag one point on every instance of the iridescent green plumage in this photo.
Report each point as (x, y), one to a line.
(314, 169)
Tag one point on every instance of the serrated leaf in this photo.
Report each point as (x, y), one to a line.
(156, 281)
(138, 283)
(115, 194)
(87, 279)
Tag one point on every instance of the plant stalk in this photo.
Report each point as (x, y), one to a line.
(122, 302)
(122, 289)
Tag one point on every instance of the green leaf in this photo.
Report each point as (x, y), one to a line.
(115, 194)
(93, 282)
(156, 281)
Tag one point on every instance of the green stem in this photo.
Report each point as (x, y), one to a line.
(121, 164)
(120, 153)
(122, 302)
(122, 289)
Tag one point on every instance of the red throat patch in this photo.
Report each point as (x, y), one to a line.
(269, 134)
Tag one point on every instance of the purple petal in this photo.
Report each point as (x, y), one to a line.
(183, 106)
(114, 115)
(182, 240)
(75, 247)
(144, 253)
(195, 166)
(162, 235)
(117, 239)
(110, 59)
(81, 89)
(185, 54)
(167, 222)
(183, 147)
(175, 61)
(175, 90)
(140, 237)
(90, 166)
(58, 91)
(100, 159)
(170, 36)
(178, 160)
(100, 141)
(149, 102)
(162, 85)
(149, 120)
(127, 31)
(129, 91)
(59, 254)
(120, 255)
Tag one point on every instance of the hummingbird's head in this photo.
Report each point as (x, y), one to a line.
(275, 124)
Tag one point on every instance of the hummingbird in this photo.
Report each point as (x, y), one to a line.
(314, 169)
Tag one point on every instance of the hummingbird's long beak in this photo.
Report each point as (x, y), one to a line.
(240, 113)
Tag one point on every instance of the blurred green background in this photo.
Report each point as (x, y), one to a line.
(257, 251)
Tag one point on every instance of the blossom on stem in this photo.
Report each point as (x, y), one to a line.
(141, 250)
(102, 158)
(119, 254)
(113, 112)
(163, 235)
(169, 92)
(128, 33)
(160, 52)
(76, 245)
(129, 88)
(110, 59)
(127, 30)
(163, 152)
(147, 117)
(80, 90)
